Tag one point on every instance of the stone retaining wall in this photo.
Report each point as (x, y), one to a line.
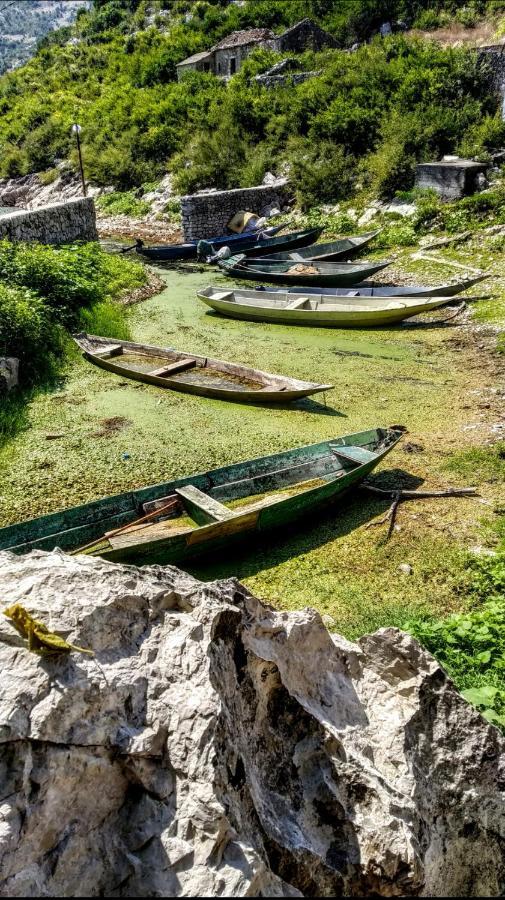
(56, 223)
(205, 215)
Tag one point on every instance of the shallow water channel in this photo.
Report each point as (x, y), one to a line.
(114, 433)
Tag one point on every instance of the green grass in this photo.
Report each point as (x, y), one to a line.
(479, 464)
(123, 203)
(106, 319)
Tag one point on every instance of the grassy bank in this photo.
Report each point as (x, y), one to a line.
(46, 293)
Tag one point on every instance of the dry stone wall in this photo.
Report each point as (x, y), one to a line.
(56, 223)
(205, 215)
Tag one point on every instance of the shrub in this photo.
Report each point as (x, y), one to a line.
(27, 332)
(68, 278)
(471, 646)
(320, 174)
(125, 203)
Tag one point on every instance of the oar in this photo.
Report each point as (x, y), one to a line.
(152, 515)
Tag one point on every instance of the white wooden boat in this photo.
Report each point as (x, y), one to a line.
(321, 310)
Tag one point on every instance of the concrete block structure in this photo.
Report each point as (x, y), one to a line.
(451, 179)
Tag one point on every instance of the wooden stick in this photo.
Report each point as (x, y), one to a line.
(392, 513)
(413, 495)
(152, 515)
(398, 496)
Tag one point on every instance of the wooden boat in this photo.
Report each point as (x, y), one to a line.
(345, 248)
(382, 290)
(192, 374)
(324, 274)
(206, 512)
(320, 310)
(245, 243)
(189, 251)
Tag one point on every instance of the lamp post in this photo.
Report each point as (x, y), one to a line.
(76, 129)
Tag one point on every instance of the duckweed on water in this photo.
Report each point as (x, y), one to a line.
(333, 563)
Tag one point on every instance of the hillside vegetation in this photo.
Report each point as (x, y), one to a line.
(361, 124)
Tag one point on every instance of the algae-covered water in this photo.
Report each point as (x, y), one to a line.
(98, 434)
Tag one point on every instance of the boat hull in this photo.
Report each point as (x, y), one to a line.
(367, 290)
(245, 243)
(323, 318)
(275, 388)
(345, 248)
(75, 527)
(340, 278)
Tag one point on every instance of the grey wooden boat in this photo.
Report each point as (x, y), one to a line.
(209, 512)
(192, 374)
(384, 290)
(344, 248)
(323, 274)
(321, 310)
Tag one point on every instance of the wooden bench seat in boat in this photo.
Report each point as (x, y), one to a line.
(109, 350)
(223, 295)
(358, 456)
(202, 508)
(296, 304)
(179, 366)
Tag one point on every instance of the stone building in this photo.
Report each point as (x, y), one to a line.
(226, 57)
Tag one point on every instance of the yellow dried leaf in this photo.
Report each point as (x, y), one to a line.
(40, 639)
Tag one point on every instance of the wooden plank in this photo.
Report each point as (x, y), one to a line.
(222, 295)
(238, 523)
(202, 508)
(255, 484)
(296, 304)
(357, 455)
(149, 534)
(106, 352)
(179, 366)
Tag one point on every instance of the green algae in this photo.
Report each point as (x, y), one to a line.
(399, 375)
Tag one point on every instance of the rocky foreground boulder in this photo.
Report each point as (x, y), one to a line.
(216, 747)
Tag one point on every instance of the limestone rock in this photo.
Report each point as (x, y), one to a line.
(215, 746)
(9, 373)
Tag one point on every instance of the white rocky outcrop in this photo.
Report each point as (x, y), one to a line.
(215, 746)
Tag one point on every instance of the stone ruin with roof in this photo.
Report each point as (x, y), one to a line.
(226, 57)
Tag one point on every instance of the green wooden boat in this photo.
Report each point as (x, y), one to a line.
(321, 310)
(344, 248)
(184, 518)
(323, 274)
(192, 374)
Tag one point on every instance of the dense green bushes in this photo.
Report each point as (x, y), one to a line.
(361, 124)
(471, 646)
(69, 278)
(45, 290)
(28, 332)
